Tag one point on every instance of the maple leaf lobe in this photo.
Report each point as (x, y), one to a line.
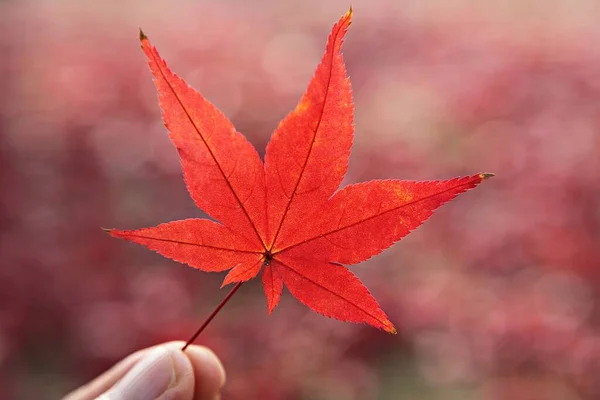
(222, 170)
(307, 156)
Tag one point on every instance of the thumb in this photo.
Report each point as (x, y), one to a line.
(165, 372)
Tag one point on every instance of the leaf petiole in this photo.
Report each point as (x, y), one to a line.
(212, 315)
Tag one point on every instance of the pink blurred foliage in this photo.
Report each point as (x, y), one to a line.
(497, 291)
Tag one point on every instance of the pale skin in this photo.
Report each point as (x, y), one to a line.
(161, 372)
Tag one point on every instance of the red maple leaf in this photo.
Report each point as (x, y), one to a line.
(284, 217)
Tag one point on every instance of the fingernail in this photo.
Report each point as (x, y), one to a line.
(150, 377)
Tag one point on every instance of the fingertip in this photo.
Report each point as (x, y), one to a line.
(182, 384)
(163, 372)
(208, 372)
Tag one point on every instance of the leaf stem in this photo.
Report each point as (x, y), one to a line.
(212, 315)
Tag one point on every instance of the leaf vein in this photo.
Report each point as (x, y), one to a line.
(322, 235)
(334, 293)
(193, 244)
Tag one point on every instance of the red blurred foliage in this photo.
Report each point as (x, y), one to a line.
(502, 299)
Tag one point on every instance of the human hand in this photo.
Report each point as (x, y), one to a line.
(160, 372)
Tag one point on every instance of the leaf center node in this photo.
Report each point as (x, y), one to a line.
(268, 258)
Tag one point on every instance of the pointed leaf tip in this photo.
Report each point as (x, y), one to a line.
(142, 35)
(486, 175)
(389, 328)
(348, 15)
(106, 230)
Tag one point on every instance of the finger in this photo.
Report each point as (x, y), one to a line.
(209, 373)
(163, 373)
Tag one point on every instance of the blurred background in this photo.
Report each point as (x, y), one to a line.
(495, 297)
